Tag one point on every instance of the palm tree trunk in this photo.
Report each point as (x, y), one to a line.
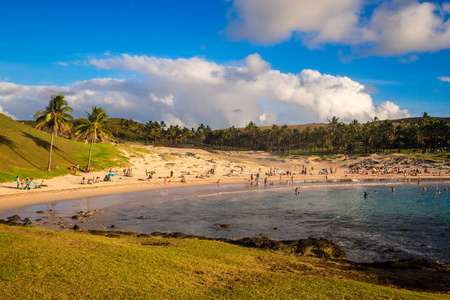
(90, 152)
(50, 153)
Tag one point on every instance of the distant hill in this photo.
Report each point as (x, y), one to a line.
(303, 127)
(24, 151)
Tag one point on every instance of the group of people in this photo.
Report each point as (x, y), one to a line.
(25, 184)
(128, 172)
(94, 179)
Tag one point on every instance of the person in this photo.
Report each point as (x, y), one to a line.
(365, 194)
(393, 188)
(22, 183)
(297, 190)
(424, 188)
(17, 180)
(83, 180)
(171, 174)
(183, 180)
(218, 182)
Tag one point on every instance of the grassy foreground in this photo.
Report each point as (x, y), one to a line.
(38, 264)
(24, 151)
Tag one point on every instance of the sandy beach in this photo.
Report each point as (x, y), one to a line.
(197, 167)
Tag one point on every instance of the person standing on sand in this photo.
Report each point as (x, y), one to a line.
(17, 180)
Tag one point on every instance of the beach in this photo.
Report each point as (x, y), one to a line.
(199, 167)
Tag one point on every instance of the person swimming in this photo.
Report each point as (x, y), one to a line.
(365, 195)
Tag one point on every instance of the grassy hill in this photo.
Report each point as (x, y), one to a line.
(24, 151)
(38, 264)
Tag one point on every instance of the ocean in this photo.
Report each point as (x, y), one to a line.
(409, 223)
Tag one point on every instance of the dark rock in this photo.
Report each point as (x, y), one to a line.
(40, 212)
(317, 247)
(113, 226)
(76, 227)
(180, 235)
(424, 246)
(14, 218)
(224, 225)
(260, 242)
(141, 217)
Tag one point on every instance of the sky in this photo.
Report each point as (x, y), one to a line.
(227, 62)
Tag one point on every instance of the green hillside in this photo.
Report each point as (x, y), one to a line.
(24, 151)
(38, 264)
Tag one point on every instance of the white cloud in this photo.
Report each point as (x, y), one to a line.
(63, 64)
(188, 92)
(166, 100)
(444, 79)
(408, 59)
(7, 113)
(395, 27)
(402, 27)
(269, 22)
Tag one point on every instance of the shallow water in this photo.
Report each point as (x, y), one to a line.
(409, 223)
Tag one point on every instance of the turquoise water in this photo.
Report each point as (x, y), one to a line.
(408, 223)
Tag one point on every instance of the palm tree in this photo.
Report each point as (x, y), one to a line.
(93, 127)
(54, 118)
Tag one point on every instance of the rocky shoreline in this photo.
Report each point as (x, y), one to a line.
(410, 274)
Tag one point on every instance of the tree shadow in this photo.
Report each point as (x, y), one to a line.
(40, 142)
(11, 145)
(7, 142)
(46, 145)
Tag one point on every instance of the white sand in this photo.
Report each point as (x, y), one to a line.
(192, 163)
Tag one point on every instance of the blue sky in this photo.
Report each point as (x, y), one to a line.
(226, 63)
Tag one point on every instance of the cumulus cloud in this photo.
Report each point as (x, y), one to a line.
(188, 92)
(269, 22)
(444, 79)
(395, 27)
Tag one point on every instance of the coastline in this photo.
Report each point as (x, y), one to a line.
(171, 166)
(40, 196)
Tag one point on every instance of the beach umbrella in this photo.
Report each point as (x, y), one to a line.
(111, 175)
(278, 171)
(31, 183)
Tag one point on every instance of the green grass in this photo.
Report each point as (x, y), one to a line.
(24, 151)
(37, 264)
